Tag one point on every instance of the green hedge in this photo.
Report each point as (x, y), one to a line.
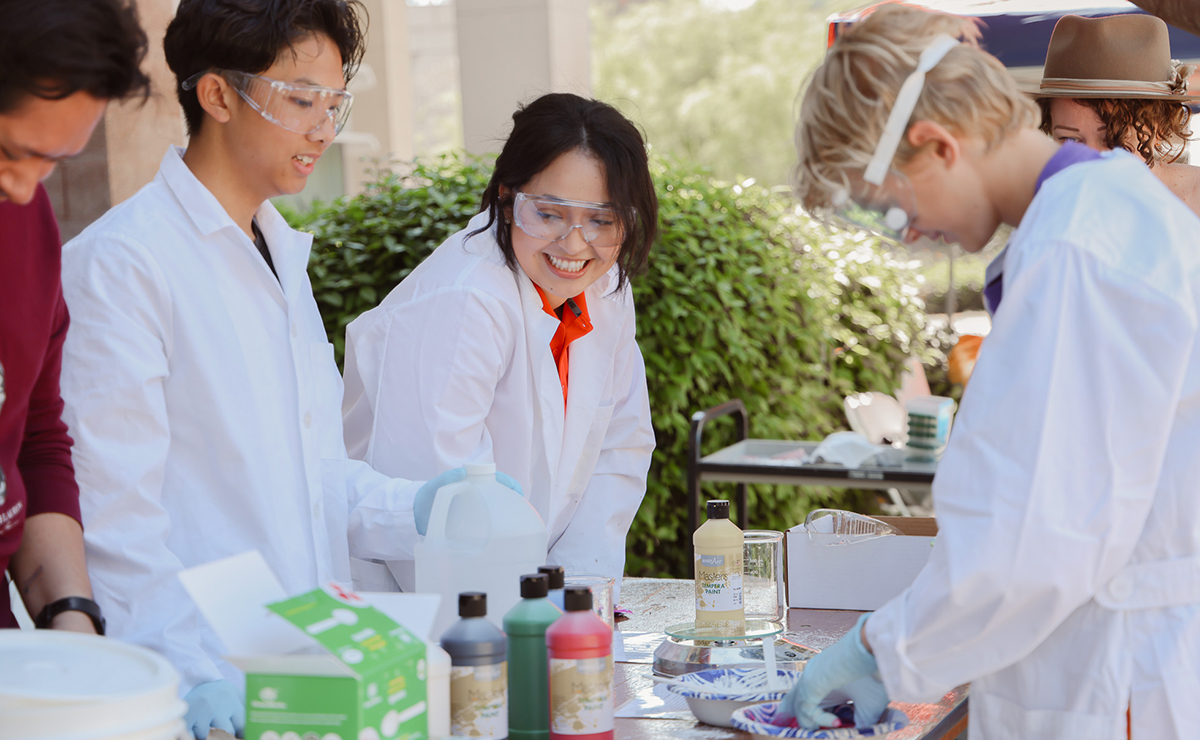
(744, 298)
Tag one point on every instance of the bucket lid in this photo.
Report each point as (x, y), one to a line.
(54, 667)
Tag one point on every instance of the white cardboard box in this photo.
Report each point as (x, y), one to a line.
(862, 576)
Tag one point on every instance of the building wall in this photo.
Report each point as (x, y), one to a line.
(435, 77)
(129, 141)
(512, 51)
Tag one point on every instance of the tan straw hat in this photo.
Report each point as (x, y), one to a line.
(1119, 56)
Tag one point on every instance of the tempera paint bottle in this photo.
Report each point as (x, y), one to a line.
(557, 580)
(719, 546)
(579, 646)
(478, 672)
(528, 687)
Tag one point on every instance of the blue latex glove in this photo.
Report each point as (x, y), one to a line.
(215, 704)
(846, 667)
(423, 502)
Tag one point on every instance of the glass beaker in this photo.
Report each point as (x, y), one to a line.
(762, 576)
(602, 593)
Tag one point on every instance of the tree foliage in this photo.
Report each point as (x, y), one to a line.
(744, 298)
(712, 81)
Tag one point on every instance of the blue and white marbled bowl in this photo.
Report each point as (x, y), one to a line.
(714, 695)
(756, 719)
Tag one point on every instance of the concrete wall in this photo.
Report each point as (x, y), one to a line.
(434, 77)
(129, 142)
(512, 51)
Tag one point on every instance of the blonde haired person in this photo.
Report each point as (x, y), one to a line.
(1065, 581)
(1110, 82)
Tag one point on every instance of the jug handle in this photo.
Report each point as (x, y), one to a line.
(441, 510)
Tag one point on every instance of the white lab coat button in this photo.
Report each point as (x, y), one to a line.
(308, 420)
(1120, 588)
(316, 511)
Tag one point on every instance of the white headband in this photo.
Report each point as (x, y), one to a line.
(902, 110)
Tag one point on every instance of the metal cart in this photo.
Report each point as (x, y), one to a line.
(781, 462)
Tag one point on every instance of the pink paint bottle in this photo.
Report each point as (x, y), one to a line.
(579, 647)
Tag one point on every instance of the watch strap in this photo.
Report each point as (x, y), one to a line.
(71, 604)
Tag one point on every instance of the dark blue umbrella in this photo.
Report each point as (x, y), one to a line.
(1017, 32)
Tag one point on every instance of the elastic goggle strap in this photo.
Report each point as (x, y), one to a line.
(906, 102)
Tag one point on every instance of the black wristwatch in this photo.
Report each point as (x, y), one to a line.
(71, 604)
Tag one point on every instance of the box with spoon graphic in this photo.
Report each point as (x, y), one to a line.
(339, 669)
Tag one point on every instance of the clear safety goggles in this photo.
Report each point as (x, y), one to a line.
(879, 198)
(303, 109)
(552, 219)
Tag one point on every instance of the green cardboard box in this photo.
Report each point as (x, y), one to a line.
(367, 684)
(335, 668)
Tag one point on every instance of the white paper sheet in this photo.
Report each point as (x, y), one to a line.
(656, 704)
(231, 594)
(636, 647)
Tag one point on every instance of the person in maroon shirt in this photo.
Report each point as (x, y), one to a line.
(61, 61)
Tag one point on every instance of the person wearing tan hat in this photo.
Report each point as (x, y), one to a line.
(1110, 82)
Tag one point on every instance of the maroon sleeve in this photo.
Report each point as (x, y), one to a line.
(45, 457)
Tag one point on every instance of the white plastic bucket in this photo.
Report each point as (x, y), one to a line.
(482, 536)
(65, 686)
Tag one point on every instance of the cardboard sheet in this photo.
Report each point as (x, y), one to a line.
(861, 576)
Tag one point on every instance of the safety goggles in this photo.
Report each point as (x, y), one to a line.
(879, 198)
(303, 109)
(552, 219)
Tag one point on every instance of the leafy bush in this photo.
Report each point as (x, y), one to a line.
(744, 298)
(365, 245)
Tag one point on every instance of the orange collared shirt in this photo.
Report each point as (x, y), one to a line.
(571, 327)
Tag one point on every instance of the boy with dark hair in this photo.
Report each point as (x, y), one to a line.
(61, 61)
(1065, 582)
(200, 385)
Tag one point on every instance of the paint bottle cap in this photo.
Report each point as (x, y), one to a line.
(534, 586)
(718, 509)
(556, 574)
(577, 599)
(472, 604)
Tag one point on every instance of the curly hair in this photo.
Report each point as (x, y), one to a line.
(1155, 129)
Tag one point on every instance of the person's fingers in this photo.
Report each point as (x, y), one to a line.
(815, 718)
(508, 480)
(200, 728)
(223, 723)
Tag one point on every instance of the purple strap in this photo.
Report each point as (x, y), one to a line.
(1071, 152)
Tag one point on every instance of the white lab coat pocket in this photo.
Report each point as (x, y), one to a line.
(590, 452)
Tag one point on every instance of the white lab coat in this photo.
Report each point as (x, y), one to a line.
(455, 366)
(206, 410)
(1065, 581)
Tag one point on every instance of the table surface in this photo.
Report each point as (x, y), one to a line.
(659, 602)
(785, 457)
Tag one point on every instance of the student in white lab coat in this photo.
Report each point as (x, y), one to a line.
(200, 387)
(514, 341)
(1065, 580)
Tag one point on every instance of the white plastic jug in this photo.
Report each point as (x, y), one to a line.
(482, 536)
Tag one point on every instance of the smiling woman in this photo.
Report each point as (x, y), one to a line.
(514, 341)
(1110, 83)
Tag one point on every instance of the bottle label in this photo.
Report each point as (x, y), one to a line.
(718, 582)
(581, 696)
(479, 701)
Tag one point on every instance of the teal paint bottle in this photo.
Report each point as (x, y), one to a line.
(528, 684)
